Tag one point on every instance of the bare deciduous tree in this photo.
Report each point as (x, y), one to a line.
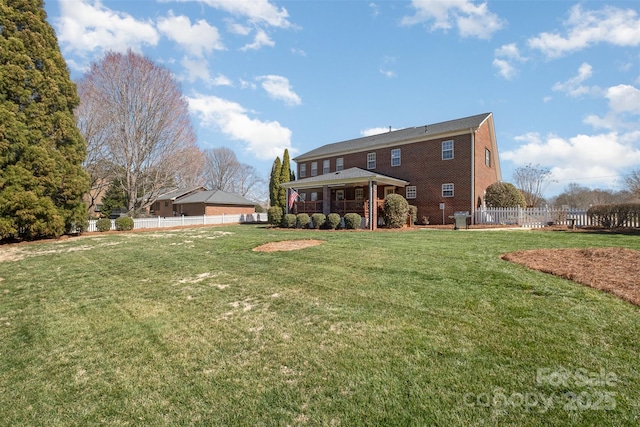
(224, 172)
(139, 120)
(532, 181)
(632, 181)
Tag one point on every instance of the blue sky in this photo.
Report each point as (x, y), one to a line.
(561, 77)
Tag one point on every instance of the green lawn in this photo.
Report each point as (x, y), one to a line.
(419, 328)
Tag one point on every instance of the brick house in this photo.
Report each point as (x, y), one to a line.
(447, 164)
(164, 204)
(213, 202)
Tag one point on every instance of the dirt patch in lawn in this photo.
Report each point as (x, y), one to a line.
(288, 245)
(613, 270)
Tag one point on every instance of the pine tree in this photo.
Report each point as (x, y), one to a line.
(285, 176)
(274, 182)
(41, 150)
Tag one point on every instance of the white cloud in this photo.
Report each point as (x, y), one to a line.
(505, 68)
(588, 159)
(505, 56)
(279, 88)
(624, 103)
(236, 28)
(196, 69)
(261, 39)
(471, 20)
(196, 39)
(264, 139)
(624, 99)
(86, 26)
(574, 87)
(584, 28)
(222, 80)
(388, 73)
(376, 131)
(374, 9)
(257, 11)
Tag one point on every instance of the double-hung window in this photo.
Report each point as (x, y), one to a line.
(487, 157)
(447, 150)
(314, 168)
(326, 166)
(371, 160)
(339, 164)
(411, 192)
(395, 157)
(303, 170)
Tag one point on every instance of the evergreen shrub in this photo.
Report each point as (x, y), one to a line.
(103, 224)
(124, 223)
(352, 221)
(333, 221)
(289, 221)
(274, 215)
(302, 220)
(318, 220)
(395, 210)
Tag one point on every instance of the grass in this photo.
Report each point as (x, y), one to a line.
(192, 327)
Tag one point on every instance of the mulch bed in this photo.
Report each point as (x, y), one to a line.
(615, 270)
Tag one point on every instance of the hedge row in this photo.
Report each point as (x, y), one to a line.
(317, 220)
(395, 212)
(614, 216)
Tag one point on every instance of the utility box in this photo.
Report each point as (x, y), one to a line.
(461, 220)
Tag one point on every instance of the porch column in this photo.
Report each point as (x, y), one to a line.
(373, 205)
(326, 200)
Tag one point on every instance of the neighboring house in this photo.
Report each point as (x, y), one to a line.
(93, 199)
(448, 164)
(164, 204)
(213, 202)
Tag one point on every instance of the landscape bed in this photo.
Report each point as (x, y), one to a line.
(420, 327)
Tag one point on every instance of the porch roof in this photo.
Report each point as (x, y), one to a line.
(351, 176)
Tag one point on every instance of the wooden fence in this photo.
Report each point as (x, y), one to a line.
(162, 222)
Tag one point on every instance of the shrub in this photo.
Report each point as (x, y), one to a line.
(395, 210)
(289, 221)
(259, 209)
(613, 216)
(302, 220)
(274, 215)
(319, 220)
(333, 221)
(124, 223)
(103, 224)
(504, 195)
(413, 211)
(352, 221)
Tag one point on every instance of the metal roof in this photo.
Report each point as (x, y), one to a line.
(398, 136)
(214, 197)
(347, 176)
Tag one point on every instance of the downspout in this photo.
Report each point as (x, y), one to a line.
(472, 211)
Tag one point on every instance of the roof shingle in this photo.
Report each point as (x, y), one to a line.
(369, 142)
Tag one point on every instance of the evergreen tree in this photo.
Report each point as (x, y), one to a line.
(285, 176)
(41, 150)
(274, 182)
(114, 198)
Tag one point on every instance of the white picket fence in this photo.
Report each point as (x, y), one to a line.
(163, 222)
(533, 217)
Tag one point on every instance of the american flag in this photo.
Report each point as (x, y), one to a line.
(292, 197)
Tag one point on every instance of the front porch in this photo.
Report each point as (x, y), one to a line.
(349, 191)
(340, 207)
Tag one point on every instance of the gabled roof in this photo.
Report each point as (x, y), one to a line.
(214, 197)
(178, 192)
(347, 176)
(399, 136)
